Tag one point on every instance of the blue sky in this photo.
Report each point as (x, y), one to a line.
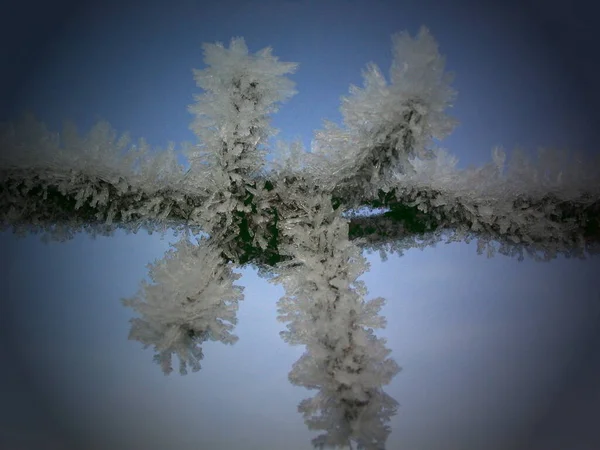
(489, 347)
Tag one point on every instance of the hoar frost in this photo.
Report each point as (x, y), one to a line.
(289, 217)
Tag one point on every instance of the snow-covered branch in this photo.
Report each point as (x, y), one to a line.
(192, 299)
(386, 124)
(61, 183)
(382, 156)
(325, 311)
(550, 206)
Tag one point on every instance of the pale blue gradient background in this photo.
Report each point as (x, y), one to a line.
(496, 353)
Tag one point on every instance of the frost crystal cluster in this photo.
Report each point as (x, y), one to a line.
(191, 300)
(326, 312)
(295, 220)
